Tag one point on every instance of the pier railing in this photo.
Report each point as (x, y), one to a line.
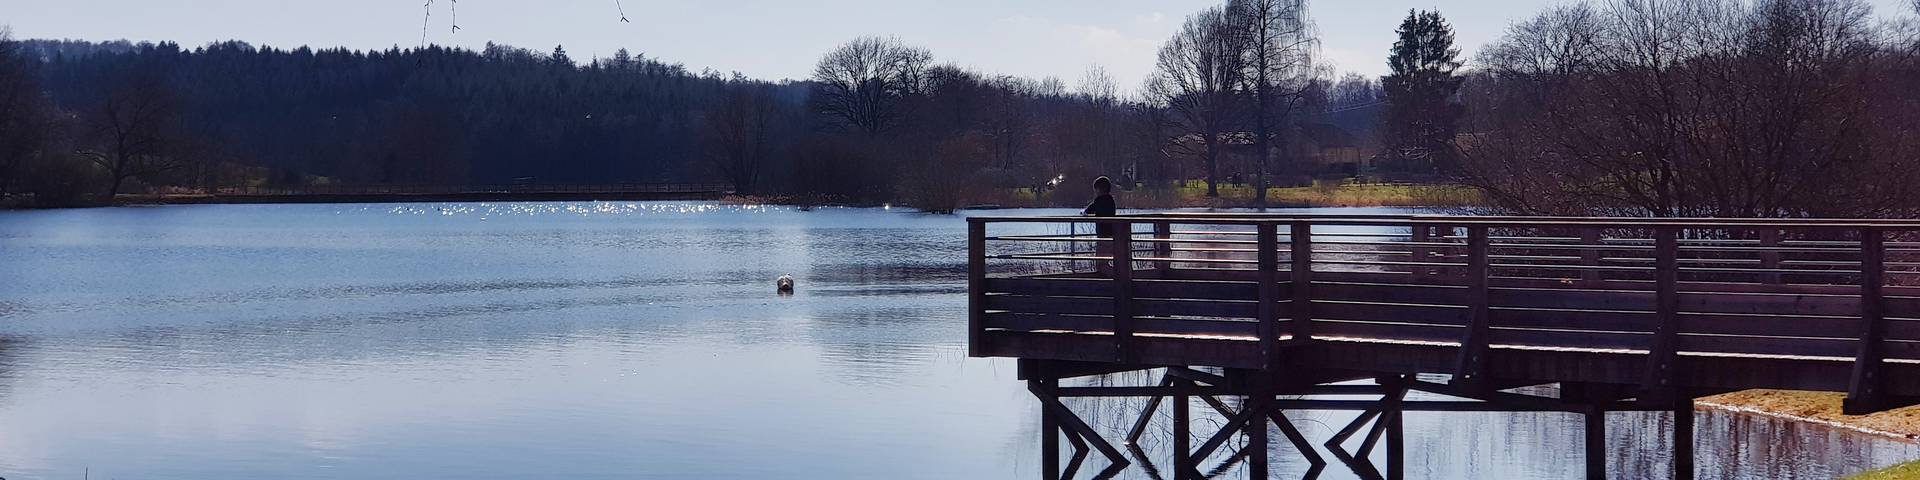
(1659, 289)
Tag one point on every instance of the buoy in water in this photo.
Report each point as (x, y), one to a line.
(784, 285)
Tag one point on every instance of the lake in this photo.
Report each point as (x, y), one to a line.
(602, 340)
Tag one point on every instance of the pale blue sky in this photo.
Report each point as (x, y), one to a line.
(769, 39)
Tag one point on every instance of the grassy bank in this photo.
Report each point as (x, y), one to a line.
(1194, 195)
(1818, 407)
(1904, 471)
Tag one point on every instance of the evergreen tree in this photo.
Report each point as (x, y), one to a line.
(1421, 116)
(622, 60)
(560, 58)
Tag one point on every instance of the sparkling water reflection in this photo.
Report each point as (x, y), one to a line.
(594, 339)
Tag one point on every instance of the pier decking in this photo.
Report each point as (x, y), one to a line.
(1619, 314)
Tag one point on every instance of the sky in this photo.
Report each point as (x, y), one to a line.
(768, 39)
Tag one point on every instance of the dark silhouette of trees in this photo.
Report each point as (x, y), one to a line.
(884, 123)
(1280, 44)
(23, 114)
(1198, 72)
(134, 129)
(865, 83)
(744, 129)
(1706, 108)
(1422, 116)
(1354, 90)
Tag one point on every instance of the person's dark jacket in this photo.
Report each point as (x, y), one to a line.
(1102, 206)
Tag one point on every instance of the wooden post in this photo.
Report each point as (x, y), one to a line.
(1683, 439)
(1419, 253)
(1182, 436)
(1269, 293)
(1049, 432)
(1590, 256)
(1864, 391)
(1596, 443)
(1396, 432)
(1258, 402)
(1770, 259)
(1473, 347)
(1657, 385)
(1123, 291)
(1163, 231)
(1300, 244)
(976, 287)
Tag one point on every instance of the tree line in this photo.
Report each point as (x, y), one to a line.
(1720, 108)
(1622, 107)
(879, 120)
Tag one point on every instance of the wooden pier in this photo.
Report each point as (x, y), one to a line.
(1578, 315)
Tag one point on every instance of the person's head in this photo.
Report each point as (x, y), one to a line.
(1103, 185)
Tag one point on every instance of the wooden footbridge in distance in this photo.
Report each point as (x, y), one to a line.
(1578, 315)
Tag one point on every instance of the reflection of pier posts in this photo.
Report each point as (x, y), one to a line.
(1378, 426)
(1049, 433)
(1683, 440)
(1256, 405)
(1182, 435)
(1596, 443)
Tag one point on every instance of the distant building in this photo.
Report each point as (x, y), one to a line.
(1333, 150)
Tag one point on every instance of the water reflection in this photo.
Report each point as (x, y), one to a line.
(510, 340)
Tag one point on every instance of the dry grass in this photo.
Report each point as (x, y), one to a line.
(1904, 471)
(1823, 407)
(1194, 195)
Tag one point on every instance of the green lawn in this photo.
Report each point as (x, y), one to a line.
(1345, 195)
(1904, 471)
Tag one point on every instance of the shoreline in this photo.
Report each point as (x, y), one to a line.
(1817, 408)
(1353, 195)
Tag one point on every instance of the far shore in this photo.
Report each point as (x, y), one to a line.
(1190, 196)
(1194, 196)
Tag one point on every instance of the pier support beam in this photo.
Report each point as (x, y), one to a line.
(1378, 426)
(1049, 433)
(1683, 440)
(1182, 437)
(1596, 443)
(1257, 404)
(1396, 434)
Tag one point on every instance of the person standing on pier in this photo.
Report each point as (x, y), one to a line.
(1102, 206)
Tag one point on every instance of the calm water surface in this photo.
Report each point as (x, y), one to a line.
(523, 340)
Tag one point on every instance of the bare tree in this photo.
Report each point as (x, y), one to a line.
(864, 84)
(1097, 86)
(1279, 52)
(1147, 126)
(1354, 90)
(1694, 108)
(1008, 121)
(1093, 127)
(740, 129)
(133, 126)
(1198, 72)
